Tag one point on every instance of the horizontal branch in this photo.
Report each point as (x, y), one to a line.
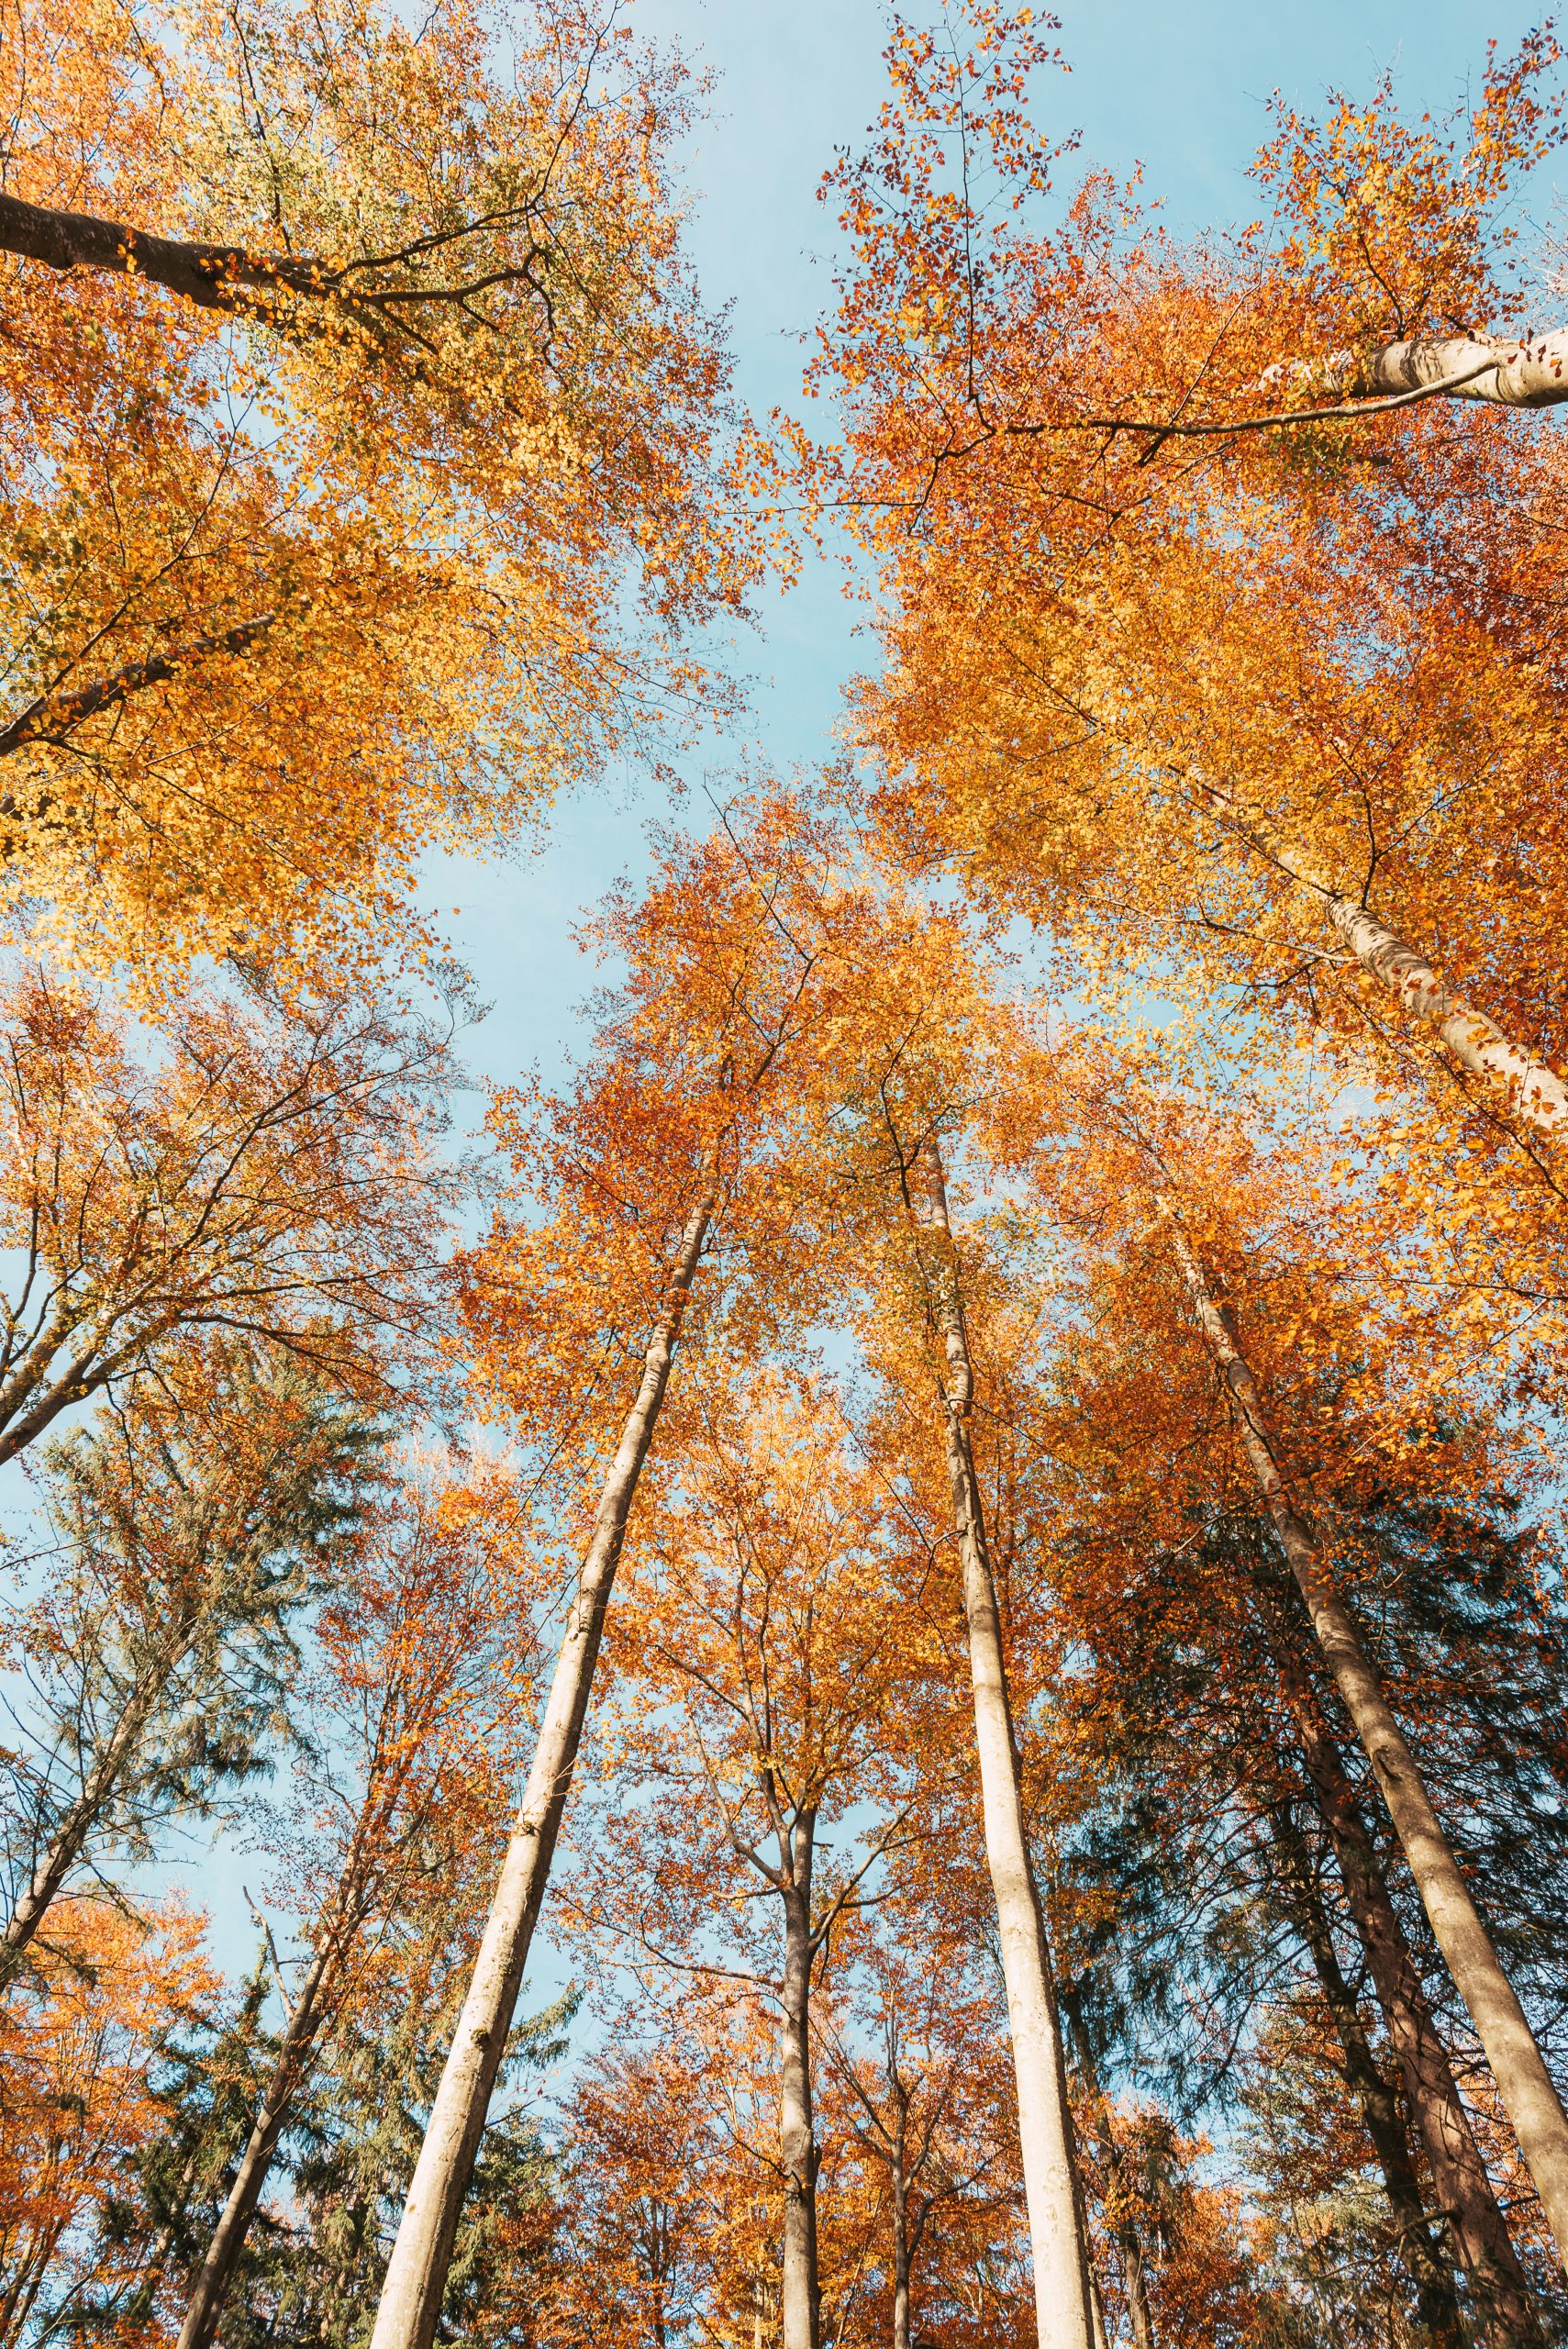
(53, 717)
(214, 277)
(1503, 371)
(239, 283)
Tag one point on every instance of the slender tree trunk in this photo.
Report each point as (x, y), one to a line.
(416, 2277)
(1524, 2084)
(63, 1849)
(1475, 2222)
(900, 2241)
(1134, 2274)
(1057, 2234)
(1437, 2302)
(216, 2274)
(801, 2298)
(1531, 1091)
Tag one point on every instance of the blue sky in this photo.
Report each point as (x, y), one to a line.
(1180, 90)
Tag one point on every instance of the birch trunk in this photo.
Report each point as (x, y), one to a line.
(1437, 2302)
(800, 2297)
(1056, 2229)
(1532, 1091)
(1528, 2096)
(216, 2271)
(415, 2278)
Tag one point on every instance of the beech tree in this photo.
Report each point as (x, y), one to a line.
(359, 372)
(1131, 683)
(759, 1615)
(921, 2069)
(728, 957)
(271, 1176)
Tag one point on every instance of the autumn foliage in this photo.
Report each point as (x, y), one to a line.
(884, 1661)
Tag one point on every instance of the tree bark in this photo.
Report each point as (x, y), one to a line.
(1475, 2222)
(415, 2278)
(1057, 2234)
(214, 277)
(1524, 2084)
(1437, 2302)
(1532, 1091)
(900, 2238)
(1499, 369)
(801, 2297)
(216, 2271)
(53, 717)
(1135, 2277)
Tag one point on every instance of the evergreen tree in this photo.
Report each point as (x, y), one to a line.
(156, 1663)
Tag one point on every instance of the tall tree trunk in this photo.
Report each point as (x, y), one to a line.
(1476, 2225)
(1524, 2084)
(801, 2298)
(415, 2278)
(900, 2237)
(1531, 1091)
(1057, 2234)
(1437, 2302)
(1135, 2280)
(216, 2271)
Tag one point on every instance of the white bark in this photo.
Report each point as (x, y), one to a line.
(1063, 2300)
(1524, 2084)
(415, 2278)
(1532, 1091)
(1502, 370)
(800, 2284)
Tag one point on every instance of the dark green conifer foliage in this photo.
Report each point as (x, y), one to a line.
(152, 1669)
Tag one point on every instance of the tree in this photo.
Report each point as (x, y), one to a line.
(384, 341)
(187, 1545)
(758, 1643)
(314, 2258)
(77, 2038)
(1131, 683)
(409, 1715)
(640, 2159)
(1526, 2085)
(921, 2071)
(1061, 2278)
(270, 1175)
(723, 959)
(1319, 1337)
